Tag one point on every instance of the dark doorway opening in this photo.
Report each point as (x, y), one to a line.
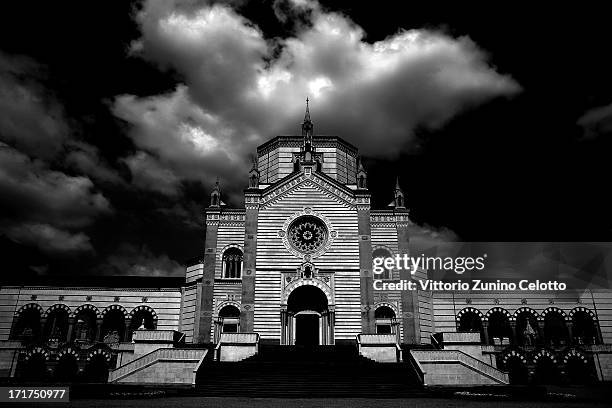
(307, 330)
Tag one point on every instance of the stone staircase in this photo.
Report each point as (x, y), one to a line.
(308, 372)
(172, 366)
(454, 367)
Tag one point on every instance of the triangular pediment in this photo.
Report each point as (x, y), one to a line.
(320, 182)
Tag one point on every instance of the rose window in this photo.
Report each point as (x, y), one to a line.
(307, 234)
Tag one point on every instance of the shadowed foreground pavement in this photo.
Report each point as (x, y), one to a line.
(199, 402)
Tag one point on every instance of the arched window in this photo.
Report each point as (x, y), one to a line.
(232, 263)
(526, 329)
(584, 329)
(362, 183)
(57, 325)
(555, 329)
(113, 326)
(230, 317)
(143, 318)
(385, 319)
(470, 321)
(500, 331)
(27, 325)
(382, 253)
(85, 327)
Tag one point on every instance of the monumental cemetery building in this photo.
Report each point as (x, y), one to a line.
(293, 268)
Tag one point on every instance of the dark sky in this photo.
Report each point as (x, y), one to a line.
(116, 118)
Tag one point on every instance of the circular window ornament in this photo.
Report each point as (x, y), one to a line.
(307, 234)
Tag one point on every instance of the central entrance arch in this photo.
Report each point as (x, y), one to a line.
(307, 320)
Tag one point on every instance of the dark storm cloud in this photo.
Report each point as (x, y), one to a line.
(39, 203)
(31, 119)
(596, 122)
(242, 88)
(140, 261)
(43, 206)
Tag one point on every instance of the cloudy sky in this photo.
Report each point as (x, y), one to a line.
(115, 119)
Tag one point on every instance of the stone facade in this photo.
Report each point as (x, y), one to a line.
(294, 266)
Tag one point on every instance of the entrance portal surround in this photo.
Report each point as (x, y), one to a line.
(307, 297)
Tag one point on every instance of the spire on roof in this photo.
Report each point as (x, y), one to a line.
(307, 125)
(307, 115)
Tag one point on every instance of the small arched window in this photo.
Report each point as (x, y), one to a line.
(232, 263)
(382, 253)
(362, 183)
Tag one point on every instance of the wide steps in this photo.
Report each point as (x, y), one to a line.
(323, 371)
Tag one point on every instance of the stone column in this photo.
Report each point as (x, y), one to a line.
(98, 330)
(365, 263)
(409, 299)
(42, 335)
(513, 328)
(71, 322)
(283, 319)
(485, 331)
(126, 330)
(204, 319)
(247, 312)
(290, 339)
(570, 332)
(332, 327)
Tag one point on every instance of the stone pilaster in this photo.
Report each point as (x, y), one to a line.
(247, 312)
(409, 299)
(368, 321)
(204, 317)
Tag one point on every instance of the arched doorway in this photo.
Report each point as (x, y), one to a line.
(67, 369)
(34, 367)
(56, 328)
(228, 321)
(546, 370)
(517, 370)
(97, 369)
(307, 320)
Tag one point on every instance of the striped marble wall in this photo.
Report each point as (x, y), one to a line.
(342, 257)
(188, 313)
(447, 305)
(165, 302)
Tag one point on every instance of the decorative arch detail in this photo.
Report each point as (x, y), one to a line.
(573, 353)
(389, 305)
(307, 282)
(575, 310)
(68, 351)
(29, 306)
(86, 307)
(112, 308)
(544, 354)
(225, 248)
(58, 306)
(99, 352)
(36, 350)
(527, 310)
(552, 309)
(146, 309)
(468, 310)
(514, 354)
(228, 303)
(499, 310)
